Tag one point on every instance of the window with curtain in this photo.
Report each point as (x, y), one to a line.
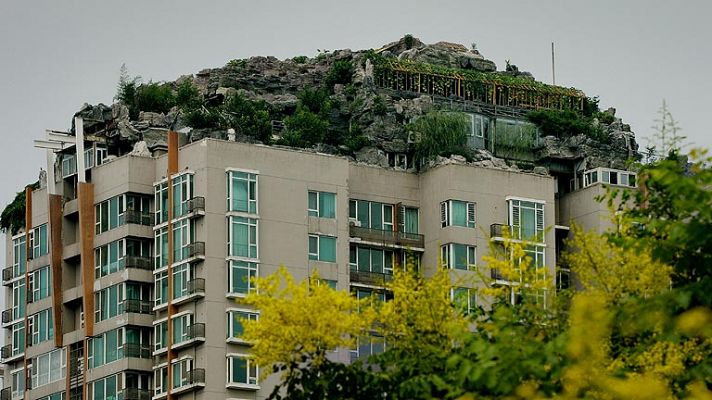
(322, 204)
(526, 219)
(371, 214)
(322, 248)
(242, 192)
(234, 323)
(458, 256)
(457, 213)
(242, 240)
(242, 371)
(366, 259)
(240, 277)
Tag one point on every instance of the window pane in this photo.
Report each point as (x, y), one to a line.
(327, 205)
(313, 247)
(312, 204)
(327, 249)
(459, 213)
(239, 370)
(460, 256)
(528, 223)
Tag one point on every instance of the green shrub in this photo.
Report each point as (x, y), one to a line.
(12, 218)
(315, 100)
(605, 118)
(379, 106)
(440, 134)
(201, 118)
(155, 97)
(341, 72)
(408, 41)
(237, 63)
(300, 59)
(563, 124)
(305, 128)
(187, 96)
(248, 117)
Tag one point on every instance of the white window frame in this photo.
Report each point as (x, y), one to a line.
(446, 213)
(252, 242)
(471, 294)
(240, 313)
(35, 283)
(158, 327)
(185, 180)
(36, 373)
(18, 299)
(316, 212)
(447, 253)
(386, 224)
(186, 320)
(18, 382)
(252, 373)
(18, 336)
(251, 267)
(252, 198)
(33, 322)
(316, 256)
(514, 209)
(353, 266)
(19, 255)
(160, 190)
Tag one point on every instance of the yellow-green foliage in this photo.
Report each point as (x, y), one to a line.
(614, 271)
(298, 318)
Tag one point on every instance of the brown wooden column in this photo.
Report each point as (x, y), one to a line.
(86, 251)
(172, 169)
(28, 250)
(55, 235)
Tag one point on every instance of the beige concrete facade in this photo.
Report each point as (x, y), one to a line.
(283, 225)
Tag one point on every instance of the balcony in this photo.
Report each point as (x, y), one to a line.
(7, 316)
(136, 394)
(194, 377)
(138, 306)
(196, 332)
(370, 278)
(136, 262)
(196, 286)
(196, 206)
(7, 275)
(195, 250)
(7, 354)
(6, 394)
(133, 350)
(136, 217)
(497, 231)
(393, 238)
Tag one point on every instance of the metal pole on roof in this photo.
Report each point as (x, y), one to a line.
(553, 68)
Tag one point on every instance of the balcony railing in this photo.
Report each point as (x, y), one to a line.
(195, 204)
(138, 306)
(196, 285)
(195, 376)
(7, 274)
(136, 262)
(137, 217)
(370, 278)
(498, 230)
(6, 394)
(134, 350)
(7, 316)
(195, 331)
(6, 351)
(387, 237)
(497, 275)
(196, 249)
(136, 394)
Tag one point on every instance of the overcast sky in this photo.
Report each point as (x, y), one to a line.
(57, 55)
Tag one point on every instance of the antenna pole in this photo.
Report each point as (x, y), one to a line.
(553, 68)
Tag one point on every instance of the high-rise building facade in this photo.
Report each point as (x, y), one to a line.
(128, 278)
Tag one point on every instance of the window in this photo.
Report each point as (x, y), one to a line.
(161, 287)
(182, 331)
(160, 380)
(241, 371)
(241, 275)
(161, 248)
(19, 256)
(242, 240)
(106, 302)
(160, 200)
(58, 396)
(69, 165)
(183, 237)
(48, 367)
(465, 299)
(322, 204)
(234, 323)
(111, 257)
(479, 125)
(371, 215)
(366, 259)
(457, 213)
(183, 373)
(40, 326)
(242, 192)
(366, 346)
(38, 241)
(407, 219)
(116, 344)
(18, 338)
(160, 335)
(322, 248)
(526, 219)
(17, 378)
(609, 176)
(182, 275)
(39, 284)
(182, 194)
(106, 388)
(123, 209)
(18, 299)
(458, 256)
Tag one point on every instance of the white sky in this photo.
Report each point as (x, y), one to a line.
(56, 55)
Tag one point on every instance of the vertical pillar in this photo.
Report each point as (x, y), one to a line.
(172, 169)
(28, 250)
(55, 237)
(86, 251)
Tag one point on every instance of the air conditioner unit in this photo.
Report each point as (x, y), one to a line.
(354, 222)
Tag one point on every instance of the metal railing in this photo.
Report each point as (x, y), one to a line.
(196, 285)
(370, 278)
(137, 217)
(498, 230)
(137, 306)
(195, 331)
(195, 249)
(7, 316)
(7, 274)
(136, 262)
(136, 394)
(134, 350)
(390, 237)
(196, 376)
(195, 204)
(6, 394)
(6, 351)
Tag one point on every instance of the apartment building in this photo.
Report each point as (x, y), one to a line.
(127, 281)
